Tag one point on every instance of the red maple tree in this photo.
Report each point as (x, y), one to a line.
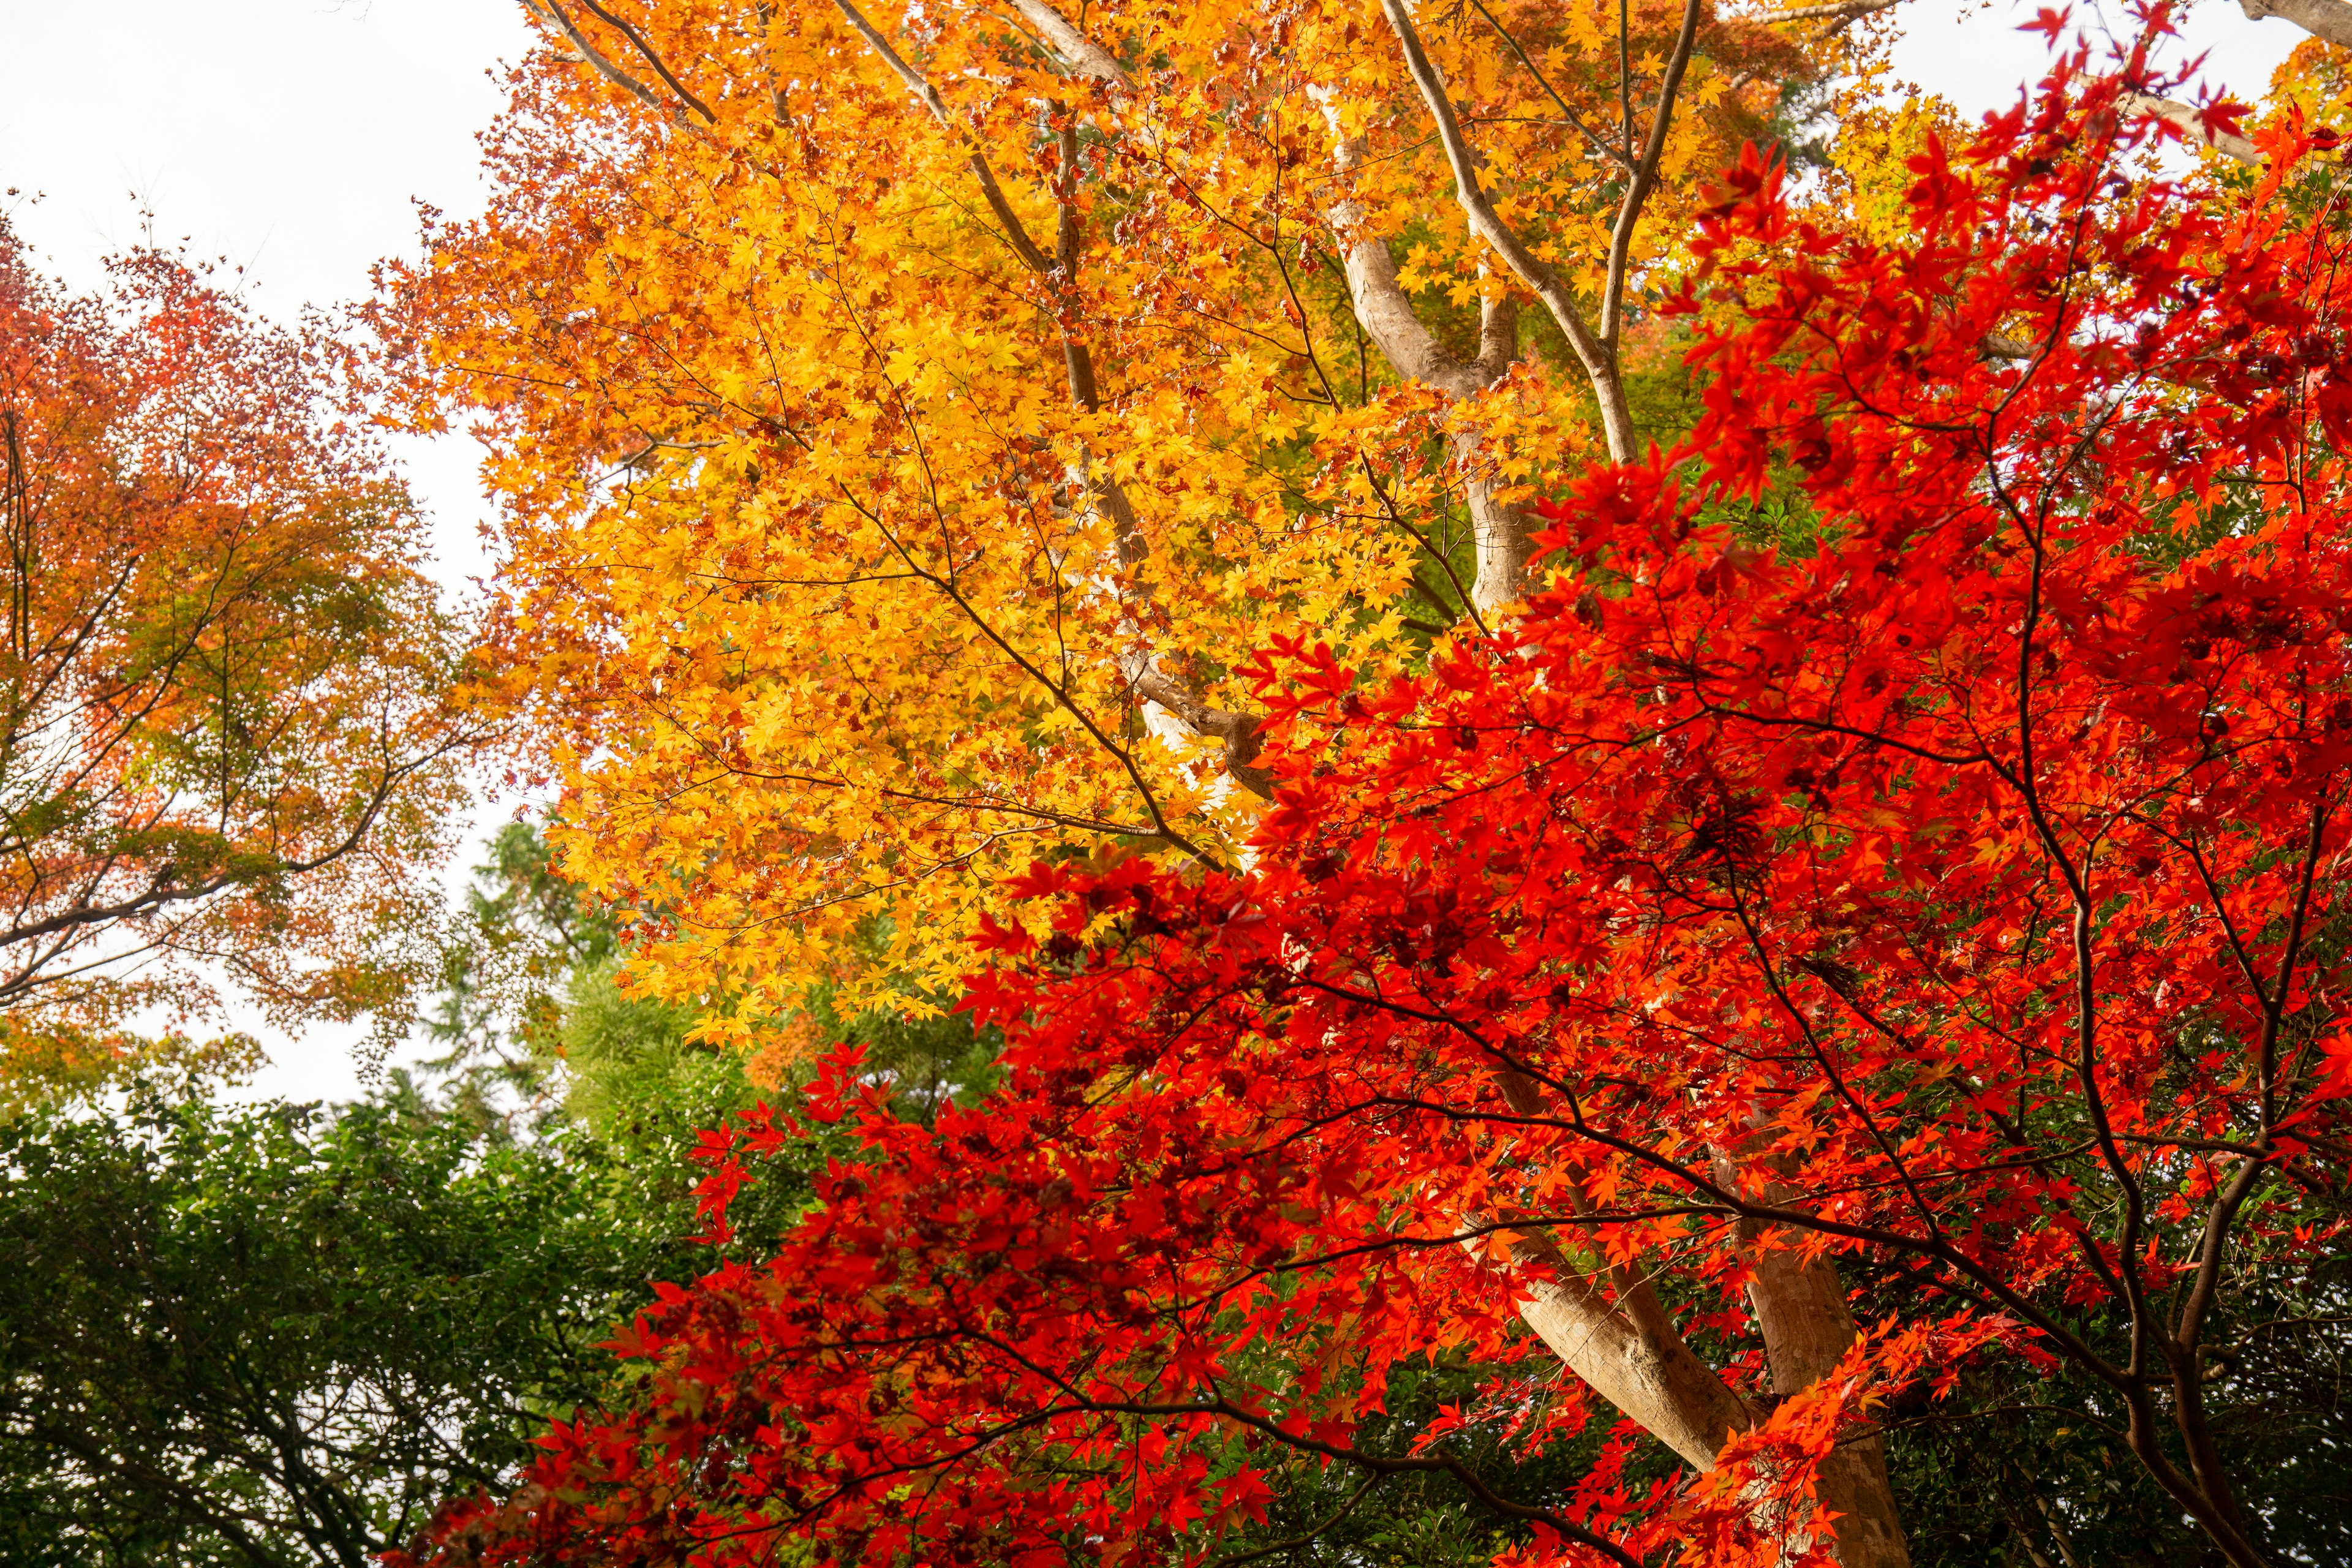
(1943, 892)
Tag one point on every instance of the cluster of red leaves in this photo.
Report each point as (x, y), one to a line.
(1955, 888)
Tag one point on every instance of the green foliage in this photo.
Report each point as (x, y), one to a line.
(276, 1335)
(264, 1336)
(929, 1060)
(523, 936)
(2019, 1469)
(1335, 1515)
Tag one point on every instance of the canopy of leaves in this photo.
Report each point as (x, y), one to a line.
(1954, 892)
(910, 424)
(268, 1336)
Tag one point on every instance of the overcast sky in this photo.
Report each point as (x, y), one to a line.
(294, 137)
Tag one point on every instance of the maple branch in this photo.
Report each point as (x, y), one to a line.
(1645, 179)
(1595, 352)
(2222, 1216)
(2000, 345)
(1027, 667)
(2274, 1004)
(912, 797)
(2023, 781)
(2206, 1498)
(1374, 1464)
(82, 918)
(1385, 313)
(2327, 19)
(551, 12)
(1381, 304)
(1238, 731)
(646, 51)
(1017, 233)
(2123, 1381)
(1312, 1533)
(1377, 1465)
(1497, 347)
(1929, 1222)
(1608, 149)
(1397, 519)
(1847, 11)
(1081, 54)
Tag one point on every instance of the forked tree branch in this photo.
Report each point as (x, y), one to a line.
(551, 13)
(1645, 179)
(1144, 674)
(646, 52)
(1595, 348)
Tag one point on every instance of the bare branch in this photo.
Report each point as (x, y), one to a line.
(1083, 56)
(1645, 179)
(1848, 11)
(2329, 19)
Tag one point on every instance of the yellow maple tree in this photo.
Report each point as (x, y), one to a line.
(910, 419)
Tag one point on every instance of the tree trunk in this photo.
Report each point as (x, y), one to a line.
(1800, 1307)
(1629, 1352)
(1628, 1349)
(1385, 312)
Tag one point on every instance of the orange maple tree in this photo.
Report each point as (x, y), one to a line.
(1944, 892)
(229, 728)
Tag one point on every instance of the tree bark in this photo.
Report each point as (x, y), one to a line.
(1627, 1351)
(2329, 19)
(2192, 126)
(1631, 1354)
(1385, 312)
(1801, 1308)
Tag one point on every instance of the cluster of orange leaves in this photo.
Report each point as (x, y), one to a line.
(228, 732)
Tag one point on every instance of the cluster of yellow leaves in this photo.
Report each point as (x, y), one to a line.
(819, 585)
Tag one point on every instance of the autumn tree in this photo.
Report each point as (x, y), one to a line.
(910, 421)
(1942, 894)
(227, 734)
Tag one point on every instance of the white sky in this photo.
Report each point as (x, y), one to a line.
(294, 136)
